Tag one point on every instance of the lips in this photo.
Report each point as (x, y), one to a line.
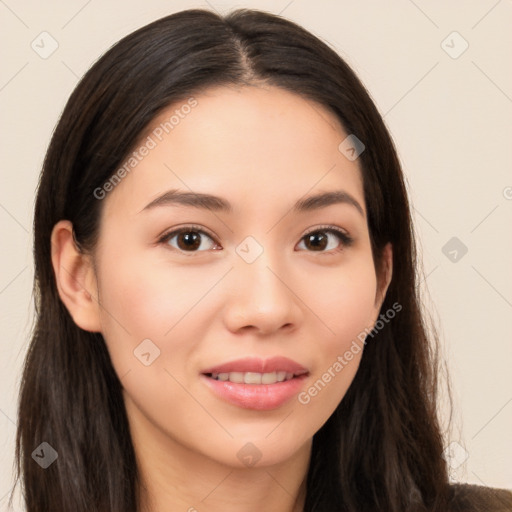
(259, 384)
(256, 365)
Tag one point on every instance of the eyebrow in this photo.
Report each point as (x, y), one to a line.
(215, 203)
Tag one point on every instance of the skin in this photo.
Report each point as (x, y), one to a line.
(262, 149)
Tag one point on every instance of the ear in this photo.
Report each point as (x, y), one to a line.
(75, 277)
(384, 274)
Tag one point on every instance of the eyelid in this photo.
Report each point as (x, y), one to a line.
(346, 239)
(327, 227)
(168, 235)
(187, 227)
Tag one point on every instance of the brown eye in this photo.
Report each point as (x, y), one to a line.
(326, 240)
(316, 241)
(189, 240)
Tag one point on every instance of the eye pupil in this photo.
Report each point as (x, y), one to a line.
(317, 240)
(191, 239)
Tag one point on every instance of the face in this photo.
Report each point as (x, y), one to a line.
(235, 321)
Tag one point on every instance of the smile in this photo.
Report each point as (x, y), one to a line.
(254, 383)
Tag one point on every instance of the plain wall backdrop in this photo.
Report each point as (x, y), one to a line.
(440, 75)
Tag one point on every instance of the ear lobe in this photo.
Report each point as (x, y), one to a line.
(385, 274)
(75, 278)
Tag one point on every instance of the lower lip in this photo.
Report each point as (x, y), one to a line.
(260, 397)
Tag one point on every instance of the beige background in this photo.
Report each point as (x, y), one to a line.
(451, 120)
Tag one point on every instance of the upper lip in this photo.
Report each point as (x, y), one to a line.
(258, 365)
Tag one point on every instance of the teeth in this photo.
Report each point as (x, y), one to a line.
(253, 377)
(268, 378)
(237, 377)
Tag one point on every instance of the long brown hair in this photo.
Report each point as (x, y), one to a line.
(381, 450)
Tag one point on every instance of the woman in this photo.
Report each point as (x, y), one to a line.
(227, 310)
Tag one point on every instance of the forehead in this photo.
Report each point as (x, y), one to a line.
(252, 145)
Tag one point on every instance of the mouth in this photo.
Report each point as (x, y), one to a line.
(257, 384)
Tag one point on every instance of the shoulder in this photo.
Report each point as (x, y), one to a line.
(477, 498)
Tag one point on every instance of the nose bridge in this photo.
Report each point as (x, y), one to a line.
(261, 298)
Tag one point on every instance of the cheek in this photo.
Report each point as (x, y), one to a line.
(343, 301)
(346, 308)
(355, 309)
(150, 301)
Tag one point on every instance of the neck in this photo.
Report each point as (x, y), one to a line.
(175, 477)
(223, 489)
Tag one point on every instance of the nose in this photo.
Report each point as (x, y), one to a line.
(262, 298)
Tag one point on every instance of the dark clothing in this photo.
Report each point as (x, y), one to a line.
(476, 498)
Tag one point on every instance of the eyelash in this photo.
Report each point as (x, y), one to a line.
(346, 240)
